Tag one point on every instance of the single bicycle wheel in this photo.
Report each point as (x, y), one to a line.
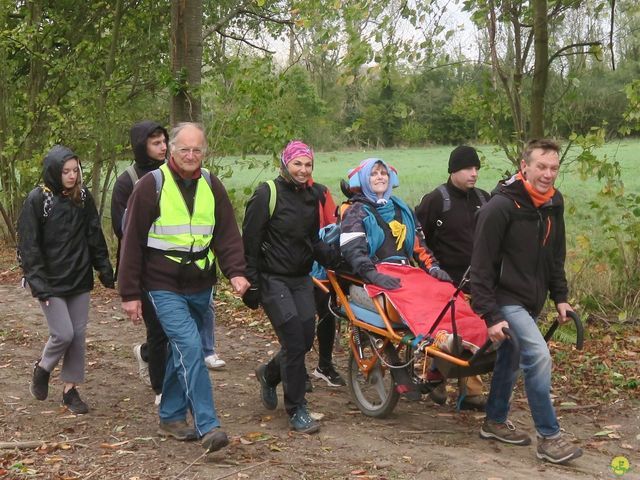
(373, 392)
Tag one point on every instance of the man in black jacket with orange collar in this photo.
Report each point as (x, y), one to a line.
(518, 259)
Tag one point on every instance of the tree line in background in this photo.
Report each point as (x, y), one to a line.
(338, 73)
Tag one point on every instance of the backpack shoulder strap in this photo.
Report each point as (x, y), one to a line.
(159, 179)
(446, 199)
(47, 201)
(206, 174)
(133, 175)
(480, 196)
(272, 196)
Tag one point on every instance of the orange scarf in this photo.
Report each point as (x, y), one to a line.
(537, 198)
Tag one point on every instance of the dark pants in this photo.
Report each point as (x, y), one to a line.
(288, 302)
(326, 328)
(155, 350)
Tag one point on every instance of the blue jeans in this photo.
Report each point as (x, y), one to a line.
(186, 379)
(207, 331)
(535, 363)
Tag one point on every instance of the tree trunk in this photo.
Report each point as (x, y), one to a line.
(98, 161)
(186, 60)
(540, 69)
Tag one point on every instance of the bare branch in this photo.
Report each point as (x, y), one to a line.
(224, 20)
(613, 16)
(560, 53)
(244, 40)
(281, 21)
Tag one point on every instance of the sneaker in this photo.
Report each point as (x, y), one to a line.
(215, 440)
(557, 450)
(73, 402)
(179, 429)
(301, 421)
(267, 392)
(143, 367)
(505, 432)
(329, 375)
(214, 362)
(308, 386)
(439, 393)
(39, 387)
(473, 402)
(158, 399)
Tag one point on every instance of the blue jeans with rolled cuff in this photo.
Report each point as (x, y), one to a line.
(535, 363)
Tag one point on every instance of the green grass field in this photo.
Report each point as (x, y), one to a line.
(421, 170)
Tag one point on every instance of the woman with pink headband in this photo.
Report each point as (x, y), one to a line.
(280, 248)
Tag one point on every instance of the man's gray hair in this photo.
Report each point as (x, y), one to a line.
(175, 131)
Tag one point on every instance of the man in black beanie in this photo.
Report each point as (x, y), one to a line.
(447, 218)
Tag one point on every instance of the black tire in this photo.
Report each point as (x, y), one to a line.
(374, 394)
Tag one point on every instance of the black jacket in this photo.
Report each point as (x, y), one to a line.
(287, 242)
(354, 245)
(518, 253)
(450, 234)
(143, 164)
(58, 252)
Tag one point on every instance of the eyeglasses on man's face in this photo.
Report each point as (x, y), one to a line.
(196, 151)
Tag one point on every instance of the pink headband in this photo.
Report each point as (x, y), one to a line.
(295, 149)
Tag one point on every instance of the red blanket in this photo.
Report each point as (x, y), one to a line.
(421, 298)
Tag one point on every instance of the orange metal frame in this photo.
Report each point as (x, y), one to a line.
(388, 333)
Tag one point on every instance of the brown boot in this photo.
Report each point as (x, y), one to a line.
(557, 450)
(180, 430)
(505, 432)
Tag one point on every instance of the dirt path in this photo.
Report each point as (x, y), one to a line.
(117, 439)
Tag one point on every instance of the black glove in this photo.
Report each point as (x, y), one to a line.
(106, 279)
(380, 279)
(438, 273)
(251, 298)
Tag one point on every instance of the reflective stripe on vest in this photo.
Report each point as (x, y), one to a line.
(176, 230)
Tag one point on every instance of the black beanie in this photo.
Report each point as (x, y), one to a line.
(463, 157)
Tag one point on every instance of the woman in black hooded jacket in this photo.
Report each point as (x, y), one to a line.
(60, 243)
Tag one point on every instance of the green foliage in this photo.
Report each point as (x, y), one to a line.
(67, 79)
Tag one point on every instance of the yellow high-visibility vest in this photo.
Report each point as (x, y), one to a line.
(185, 237)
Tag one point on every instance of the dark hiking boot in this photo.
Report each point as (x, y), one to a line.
(39, 387)
(473, 402)
(505, 432)
(180, 430)
(439, 393)
(73, 402)
(301, 421)
(215, 440)
(267, 392)
(557, 450)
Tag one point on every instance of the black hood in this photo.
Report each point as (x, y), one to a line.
(53, 163)
(139, 134)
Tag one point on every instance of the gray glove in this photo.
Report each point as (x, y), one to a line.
(438, 273)
(381, 280)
